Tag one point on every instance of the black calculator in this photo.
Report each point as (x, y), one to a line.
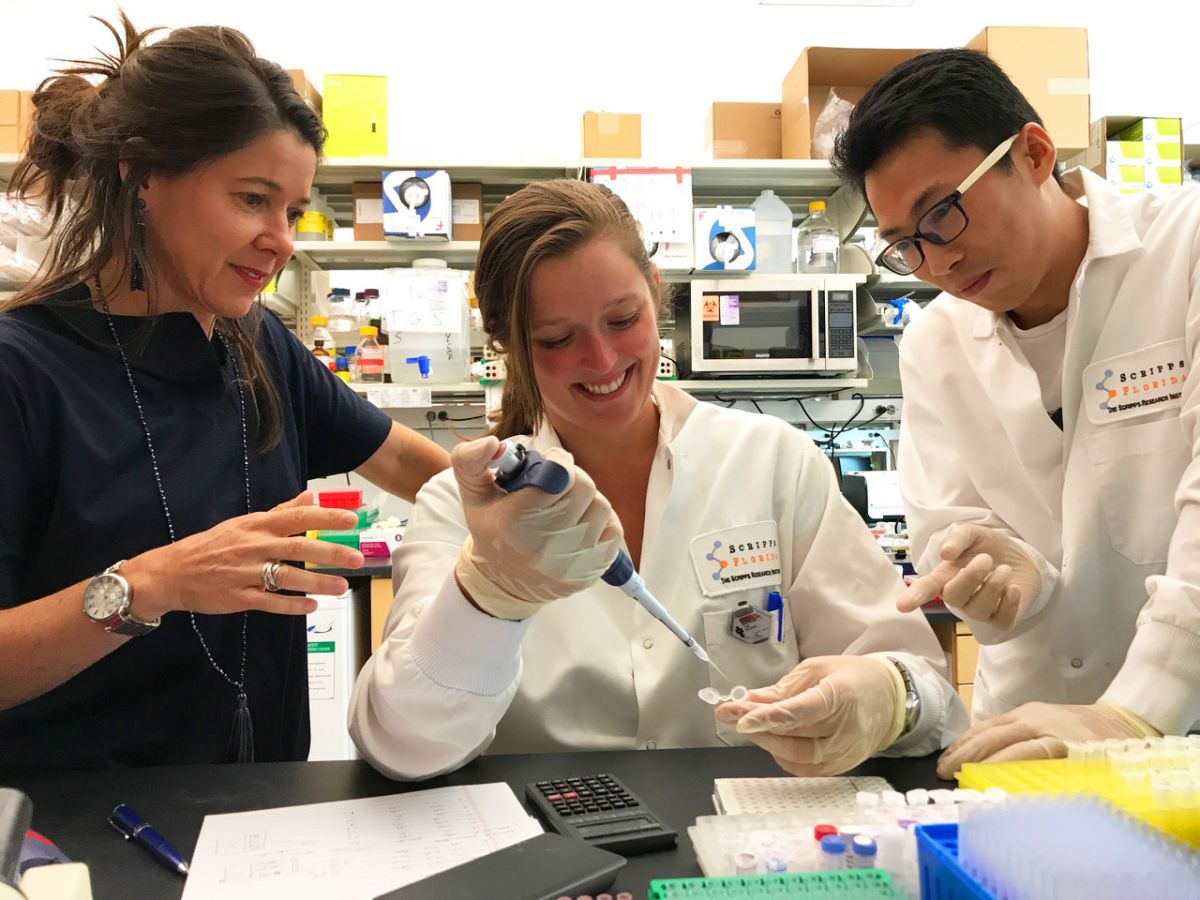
(602, 811)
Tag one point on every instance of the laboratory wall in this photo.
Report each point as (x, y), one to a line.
(475, 80)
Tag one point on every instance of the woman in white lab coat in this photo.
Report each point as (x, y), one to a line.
(502, 636)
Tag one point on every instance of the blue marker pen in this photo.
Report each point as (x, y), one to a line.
(775, 605)
(135, 828)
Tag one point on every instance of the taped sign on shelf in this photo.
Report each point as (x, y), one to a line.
(427, 304)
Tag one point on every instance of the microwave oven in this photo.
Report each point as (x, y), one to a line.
(768, 325)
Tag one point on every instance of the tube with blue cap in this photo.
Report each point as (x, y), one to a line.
(519, 467)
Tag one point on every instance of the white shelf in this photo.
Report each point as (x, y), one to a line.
(891, 279)
(750, 387)
(750, 173)
(352, 254)
(878, 330)
(771, 385)
(346, 170)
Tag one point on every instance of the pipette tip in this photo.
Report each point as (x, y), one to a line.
(702, 654)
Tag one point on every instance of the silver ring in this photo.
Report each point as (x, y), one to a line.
(270, 576)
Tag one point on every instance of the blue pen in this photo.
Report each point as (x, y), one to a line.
(135, 828)
(775, 604)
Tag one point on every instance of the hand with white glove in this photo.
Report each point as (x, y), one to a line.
(985, 577)
(529, 547)
(825, 716)
(1038, 731)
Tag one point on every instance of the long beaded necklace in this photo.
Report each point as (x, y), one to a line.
(241, 738)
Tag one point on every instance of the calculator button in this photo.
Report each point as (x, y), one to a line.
(554, 798)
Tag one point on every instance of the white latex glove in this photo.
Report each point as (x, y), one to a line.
(984, 576)
(1038, 731)
(529, 547)
(825, 716)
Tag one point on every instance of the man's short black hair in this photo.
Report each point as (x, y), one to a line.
(960, 94)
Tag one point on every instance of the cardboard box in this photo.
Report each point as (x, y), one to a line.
(1153, 130)
(356, 115)
(368, 210)
(466, 211)
(16, 119)
(818, 71)
(1134, 165)
(725, 239)
(966, 658)
(1050, 67)
(306, 89)
(746, 131)
(416, 203)
(1161, 140)
(612, 135)
(333, 663)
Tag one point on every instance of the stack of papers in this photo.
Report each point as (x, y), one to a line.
(352, 849)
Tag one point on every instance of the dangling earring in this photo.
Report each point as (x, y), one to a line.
(137, 275)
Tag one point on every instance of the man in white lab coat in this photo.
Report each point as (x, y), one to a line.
(1051, 424)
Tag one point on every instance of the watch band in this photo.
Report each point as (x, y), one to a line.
(912, 699)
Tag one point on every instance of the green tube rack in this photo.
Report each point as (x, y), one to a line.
(845, 884)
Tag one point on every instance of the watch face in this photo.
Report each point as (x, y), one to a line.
(104, 597)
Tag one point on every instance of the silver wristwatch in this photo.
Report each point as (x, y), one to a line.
(106, 600)
(912, 700)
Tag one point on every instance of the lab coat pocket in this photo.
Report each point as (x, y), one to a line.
(749, 665)
(1137, 471)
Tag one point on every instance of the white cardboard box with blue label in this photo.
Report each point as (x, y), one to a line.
(417, 204)
(333, 662)
(724, 239)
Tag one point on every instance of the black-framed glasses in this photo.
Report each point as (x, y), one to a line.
(941, 223)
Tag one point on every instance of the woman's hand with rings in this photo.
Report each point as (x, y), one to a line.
(236, 565)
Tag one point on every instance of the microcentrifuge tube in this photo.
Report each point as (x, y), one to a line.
(833, 853)
(777, 860)
(745, 863)
(712, 696)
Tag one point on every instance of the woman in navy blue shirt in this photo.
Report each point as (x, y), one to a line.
(159, 426)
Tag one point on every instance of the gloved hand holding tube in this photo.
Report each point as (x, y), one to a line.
(825, 716)
(530, 547)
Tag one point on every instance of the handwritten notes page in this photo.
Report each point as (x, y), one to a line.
(352, 849)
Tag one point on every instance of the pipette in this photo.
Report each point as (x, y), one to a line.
(518, 467)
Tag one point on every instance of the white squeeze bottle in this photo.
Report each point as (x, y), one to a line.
(773, 233)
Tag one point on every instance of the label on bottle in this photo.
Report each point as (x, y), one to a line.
(312, 222)
(824, 243)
